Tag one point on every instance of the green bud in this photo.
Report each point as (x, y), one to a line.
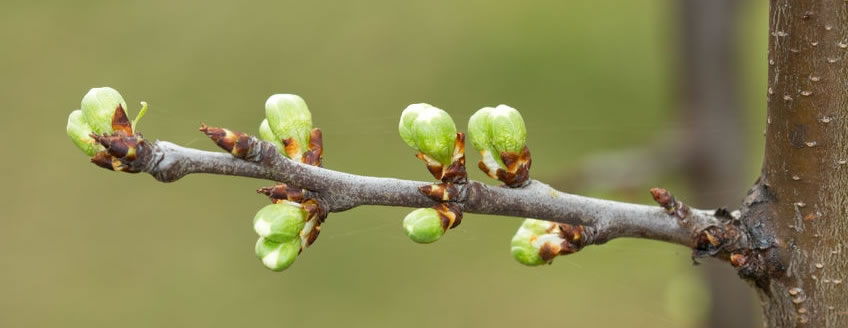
(279, 222)
(523, 252)
(429, 130)
(537, 227)
(288, 117)
(266, 134)
(277, 256)
(98, 107)
(529, 239)
(423, 225)
(80, 133)
(496, 130)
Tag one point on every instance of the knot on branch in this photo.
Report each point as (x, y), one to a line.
(719, 234)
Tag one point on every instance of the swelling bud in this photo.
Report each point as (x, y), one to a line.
(524, 247)
(288, 117)
(266, 134)
(430, 131)
(423, 226)
(98, 107)
(497, 130)
(538, 242)
(80, 133)
(280, 222)
(277, 256)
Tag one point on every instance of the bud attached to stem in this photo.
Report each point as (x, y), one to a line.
(538, 242)
(427, 225)
(266, 134)
(277, 256)
(98, 107)
(500, 135)
(103, 131)
(428, 130)
(432, 133)
(80, 133)
(423, 226)
(280, 222)
(290, 123)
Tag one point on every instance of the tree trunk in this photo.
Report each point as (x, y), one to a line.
(797, 210)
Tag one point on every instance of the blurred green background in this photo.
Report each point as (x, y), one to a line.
(85, 247)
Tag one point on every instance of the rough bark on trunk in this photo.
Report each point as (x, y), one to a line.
(797, 210)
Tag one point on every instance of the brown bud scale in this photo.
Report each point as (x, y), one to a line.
(315, 148)
(120, 122)
(236, 143)
(281, 192)
(517, 172)
(450, 214)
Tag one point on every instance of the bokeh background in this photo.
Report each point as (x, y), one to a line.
(85, 247)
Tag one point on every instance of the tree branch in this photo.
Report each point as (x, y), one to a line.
(603, 220)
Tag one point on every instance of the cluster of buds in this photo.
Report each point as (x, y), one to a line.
(102, 130)
(500, 136)
(432, 133)
(293, 221)
(288, 125)
(538, 242)
(285, 228)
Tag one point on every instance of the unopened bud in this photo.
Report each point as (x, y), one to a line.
(497, 130)
(536, 242)
(288, 117)
(430, 131)
(280, 222)
(266, 134)
(98, 107)
(80, 133)
(423, 225)
(277, 256)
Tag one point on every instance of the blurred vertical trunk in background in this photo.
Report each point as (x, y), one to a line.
(708, 151)
(713, 146)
